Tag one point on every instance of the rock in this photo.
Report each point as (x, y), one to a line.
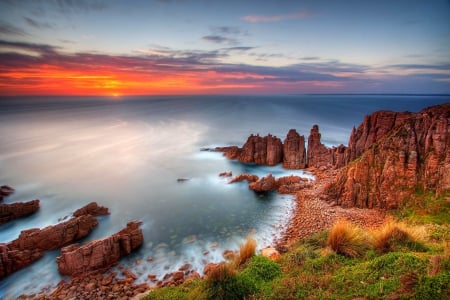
(91, 209)
(209, 267)
(318, 154)
(9, 212)
(184, 267)
(228, 254)
(182, 179)
(270, 253)
(226, 174)
(231, 152)
(264, 184)
(242, 177)
(407, 152)
(99, 254)
(32, 243)
(294, 152)
(266, 150)
(177, 276)
(5, 190)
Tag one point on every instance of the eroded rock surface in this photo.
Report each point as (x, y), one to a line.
(99, 254)
(9, 212)
(32, 243)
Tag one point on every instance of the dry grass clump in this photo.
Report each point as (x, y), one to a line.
(220, 273)
(395, 235)
(348, 239)
(246, 251)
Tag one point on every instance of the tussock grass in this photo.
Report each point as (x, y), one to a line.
(348, 239)
(396, 236)
(246, 251)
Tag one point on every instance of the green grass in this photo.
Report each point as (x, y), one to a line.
(425, 207)
(411, 266)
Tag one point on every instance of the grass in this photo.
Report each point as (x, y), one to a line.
(400, 260)
(398, 236)
(347, 239)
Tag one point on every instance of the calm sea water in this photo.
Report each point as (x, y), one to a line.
(127, 153)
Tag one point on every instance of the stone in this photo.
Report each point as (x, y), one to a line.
(99, 254)
(9, 212)
(318, 154)
(5, 190)
(226, 174)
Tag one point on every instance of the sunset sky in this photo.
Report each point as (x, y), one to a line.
(80, 47)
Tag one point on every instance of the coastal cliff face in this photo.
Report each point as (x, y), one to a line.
(388, 157)
(99, 254)
(392, 154)
(294, 151)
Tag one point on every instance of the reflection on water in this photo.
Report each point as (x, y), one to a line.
(128, 155)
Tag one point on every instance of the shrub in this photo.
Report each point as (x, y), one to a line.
(262, 268)
(394, 236)
(166, 293)
(434, 287)
(246, 251)
(347, 239)
(224, 284)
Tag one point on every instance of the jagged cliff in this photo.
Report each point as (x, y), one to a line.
(388, 156)
(391, 155)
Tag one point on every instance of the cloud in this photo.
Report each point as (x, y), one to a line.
(224, 35)
(445, 67)
(7, 29)
(39, 68)
(277, 18)
(37, 24)
(219, 39)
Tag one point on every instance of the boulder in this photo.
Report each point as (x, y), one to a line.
(265, 184)
(270, 253)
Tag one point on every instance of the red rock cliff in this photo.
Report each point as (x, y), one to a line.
(266, 150)
(294, 151)
(9, 212)
(400, 152)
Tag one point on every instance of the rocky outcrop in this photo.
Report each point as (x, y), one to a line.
(241, 177)
(31, 244)
(284, 185)
(294, 151)
(265, 184)
(266, 150)
(404, 152)
(91, 209)
(9, 212)
(318, 154)
(99, 254)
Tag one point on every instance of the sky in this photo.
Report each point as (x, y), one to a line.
(153, 47)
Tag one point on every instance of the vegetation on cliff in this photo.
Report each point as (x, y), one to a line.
(400, 260)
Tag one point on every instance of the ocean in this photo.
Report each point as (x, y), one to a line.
(127, 153)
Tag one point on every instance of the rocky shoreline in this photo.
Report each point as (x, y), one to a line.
(403, 151)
